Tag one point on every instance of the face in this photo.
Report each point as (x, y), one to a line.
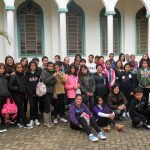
(19, 68)
(45, 61)
(127, 68)
(10, 61)
(100, 101)
(132, 58)
(50, 67)
(73, 70)
(101, 60)
(119, 65)
(138, 96)
(122, 57)
(82, 63)
(145, 56)
(32, 67)
(56, 59)
(108, 65)
(96, 60)
(90, 59)
(116, 90)
(67, 61)
(99, 69)
(2, 70)
(77, 58)
(76, 63)
(127, 57)
(57, 68)
(145, 64)
(111, 56)
(78, 100)
(24, 62)
(84, 71)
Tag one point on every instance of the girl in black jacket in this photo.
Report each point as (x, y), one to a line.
(32, 79)
(101, 83)
(4, 93)
(127, 85)
(17, 85)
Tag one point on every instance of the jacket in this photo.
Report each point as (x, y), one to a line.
(101, 85)
(32, 80)
(75, 113)
(59, 85)
(137, 108)
(17, 84)
(47, 77)
(144, 77)
(4, 91)
(87, 84)
(69, 85)
(114, 101)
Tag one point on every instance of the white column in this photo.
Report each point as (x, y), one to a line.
(110, 33)
(63, 35)
(11, 32)
(149, 35)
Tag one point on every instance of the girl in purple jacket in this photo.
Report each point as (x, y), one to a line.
(104, 117)
(82, 118)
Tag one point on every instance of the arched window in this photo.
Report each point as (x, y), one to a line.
(30, 28)
(142, 31)
(116, 32)
(75, 29)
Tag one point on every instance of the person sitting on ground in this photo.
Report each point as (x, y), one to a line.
(104, 116)
(140, 110)
(117, 102)
(82, 118)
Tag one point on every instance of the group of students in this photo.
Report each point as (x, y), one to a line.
(96, 91)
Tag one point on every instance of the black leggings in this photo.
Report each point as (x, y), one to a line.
(103, 121)
(59, 105)
(2, 102)
(85, 126)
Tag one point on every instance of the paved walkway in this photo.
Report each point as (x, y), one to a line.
(61, 137)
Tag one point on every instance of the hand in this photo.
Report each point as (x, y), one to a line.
(88, 94)
(111, 116)
(91, 94)
(13, 73)
(80, 126)
(78, 85)
(131, 93)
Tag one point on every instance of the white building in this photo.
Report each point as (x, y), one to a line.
(67, 27)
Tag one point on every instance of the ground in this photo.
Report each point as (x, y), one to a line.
(61, 137)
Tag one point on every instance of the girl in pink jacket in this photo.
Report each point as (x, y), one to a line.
(72, 86)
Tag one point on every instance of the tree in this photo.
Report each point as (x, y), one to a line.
(5, 34)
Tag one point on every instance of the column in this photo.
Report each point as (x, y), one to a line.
(149, 35)
(10, 30)
(63, 33)
(110, 31)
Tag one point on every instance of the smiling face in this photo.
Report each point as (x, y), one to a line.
(2, 69)
(9, 61)
(24, 62)
(84, 71)
(19, 68)
(78, 100)
(116, 90)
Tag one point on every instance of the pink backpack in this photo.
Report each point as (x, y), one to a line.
(9, 110)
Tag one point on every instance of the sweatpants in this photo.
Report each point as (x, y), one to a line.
(85, 126)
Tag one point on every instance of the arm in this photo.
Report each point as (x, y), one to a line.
(12, 84)
(113, 78)
(82, 86)
(63, 78)
(68, 86)
(110, 103)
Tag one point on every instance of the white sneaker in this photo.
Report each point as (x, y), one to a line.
(36, 122)
(128, 115)
(55, 121)
(93, 138)
(19, 125)
(63, 120)
(31, 123)
(102, 136)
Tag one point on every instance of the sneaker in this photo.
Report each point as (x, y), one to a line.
(128, 115)
(4, 129)
(36, 122)
(55, 121)
(19, 125)
(1, 130)
(63, 120)
(27, 126)
(31, 123)
(147, 126)
(101, 136)
(139, 125)
(93, 138)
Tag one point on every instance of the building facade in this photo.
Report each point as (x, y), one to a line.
(67, 27)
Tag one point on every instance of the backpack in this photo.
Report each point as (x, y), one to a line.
(40, 89)
(9, 110)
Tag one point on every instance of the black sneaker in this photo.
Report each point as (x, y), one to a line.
(139, 125)
(27, 126)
